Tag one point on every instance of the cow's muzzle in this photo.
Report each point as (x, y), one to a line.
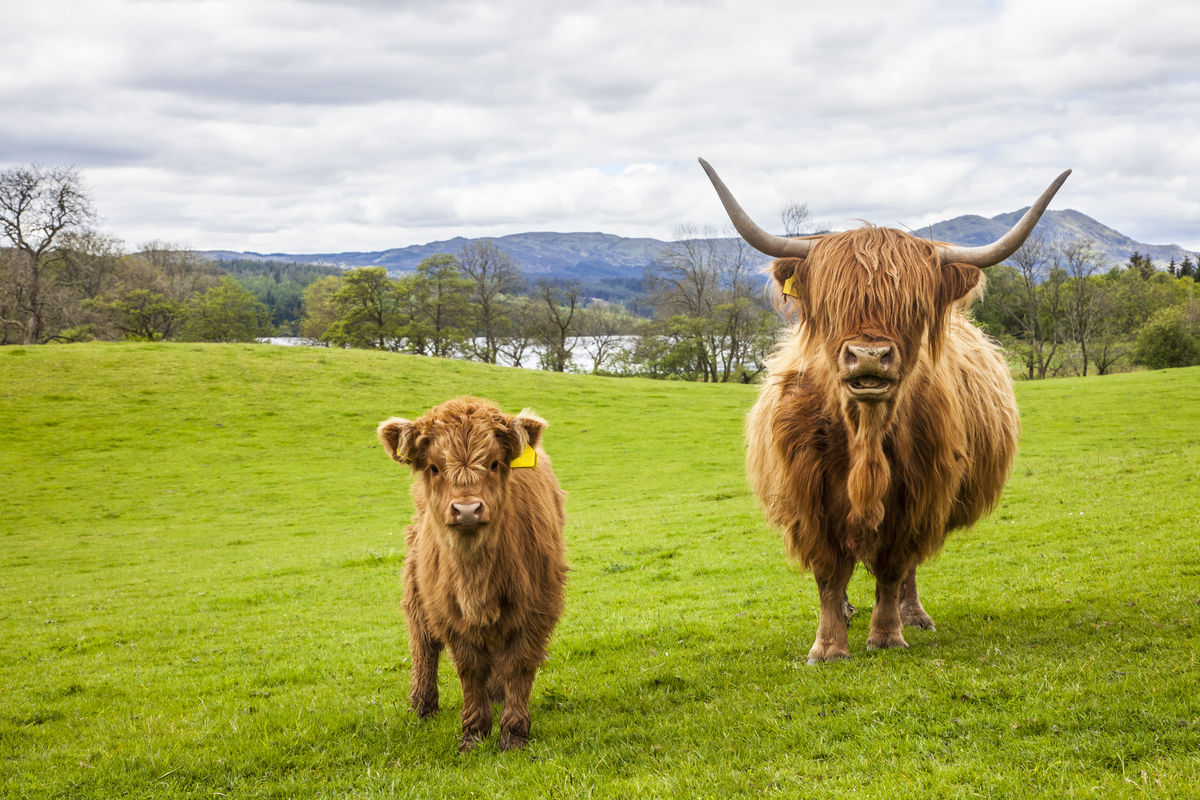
(870, 372)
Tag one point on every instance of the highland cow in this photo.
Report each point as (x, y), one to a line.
(887, 419)
(484, 571)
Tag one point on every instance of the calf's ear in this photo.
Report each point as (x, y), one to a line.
(397, 436)
(531, 425)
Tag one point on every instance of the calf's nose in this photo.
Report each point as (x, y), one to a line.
(469, 513)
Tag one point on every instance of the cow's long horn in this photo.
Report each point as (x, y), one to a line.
(990, 254)
(756, 237)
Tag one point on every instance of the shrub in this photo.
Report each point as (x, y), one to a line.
(1171, 338)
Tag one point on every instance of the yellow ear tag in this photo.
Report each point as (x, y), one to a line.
(789, 287)
(527, 459)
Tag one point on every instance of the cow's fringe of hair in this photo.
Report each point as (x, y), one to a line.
(872, 274)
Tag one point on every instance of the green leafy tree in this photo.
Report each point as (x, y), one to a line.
(142, 314)
(318, 311)
(1141, 264)
(440, 310)
(368, 305)
(227, 312)
(671, 349)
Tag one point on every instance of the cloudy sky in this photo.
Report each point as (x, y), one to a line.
(312, 126)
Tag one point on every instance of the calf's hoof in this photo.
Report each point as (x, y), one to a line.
(917, 618)
(467, 743)
(884, 641)
(821, 653)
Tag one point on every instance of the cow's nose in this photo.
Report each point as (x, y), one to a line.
(469, 513)
(870, 358)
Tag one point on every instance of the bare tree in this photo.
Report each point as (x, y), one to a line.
(795, 217)
(1110, 341)
(183, 272)
(38, 205)
(493, 274)
(519, 327)
(1081, 260)
(709, 280)
(602, 329)
(1041, 297)
(561, 303)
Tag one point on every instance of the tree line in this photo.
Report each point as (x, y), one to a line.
(1060, 309)
(61, 281)
(1057, 306)
(478, 304)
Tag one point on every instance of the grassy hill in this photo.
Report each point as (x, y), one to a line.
(200, 561)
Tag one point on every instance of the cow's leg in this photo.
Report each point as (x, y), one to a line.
(886, 629)
(911, 611)
(517, 674)
(833, 641)
(474, 668)
(425, 649)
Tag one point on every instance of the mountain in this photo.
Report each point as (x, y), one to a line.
(580, 256)
(1054, 226)
(600, 259)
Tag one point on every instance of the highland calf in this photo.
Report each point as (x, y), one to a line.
(887, 419)
(484, 572)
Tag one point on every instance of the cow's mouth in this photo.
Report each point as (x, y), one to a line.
(870, 387)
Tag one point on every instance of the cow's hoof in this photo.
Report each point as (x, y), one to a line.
(511, 740)
(467, 743)
(885, 641)
(425, 709)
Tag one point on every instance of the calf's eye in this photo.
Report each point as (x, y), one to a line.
(433, 470)
(495, 466)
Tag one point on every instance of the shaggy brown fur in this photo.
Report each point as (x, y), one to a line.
(484, 572)
(855, 472)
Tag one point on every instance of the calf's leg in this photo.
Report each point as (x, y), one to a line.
(517, 674)
(911, 611)
(473, 667)
(425, 649)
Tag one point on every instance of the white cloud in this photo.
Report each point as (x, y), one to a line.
(317, 126)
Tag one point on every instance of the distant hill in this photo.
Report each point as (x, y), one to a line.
(598, 259)
(1054, 225)
(581, 256)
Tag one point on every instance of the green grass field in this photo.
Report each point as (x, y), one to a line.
(200, 548)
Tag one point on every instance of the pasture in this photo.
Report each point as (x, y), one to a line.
(200, 549)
